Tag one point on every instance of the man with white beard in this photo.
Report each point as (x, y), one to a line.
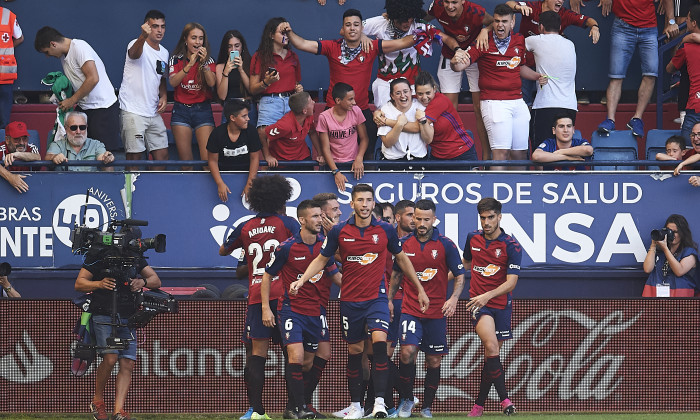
(77, 145)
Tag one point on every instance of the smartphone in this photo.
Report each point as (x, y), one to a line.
(234, 54)
(272, 70)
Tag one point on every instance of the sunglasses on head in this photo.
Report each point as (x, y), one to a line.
(82, 127)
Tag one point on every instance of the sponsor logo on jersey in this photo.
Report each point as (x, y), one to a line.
(348, 240)
(514, 266)
(313, 279)
(511, 64)
(476, 249)
(299, 258)
(426, 274)
(275, 131)
(366, 259)
(487, 271)
(410, 255)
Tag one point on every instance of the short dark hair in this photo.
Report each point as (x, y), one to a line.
(352, 12)
(403, 205)
(676, 139)
(269, 194)
(550, 20)
(425, 78)
(425, 205)
(559, 116)
(153, 14)
(378, 211)
(340, 90)
(298, 101)
(45, 36)
(234, 107)
(488, 204)
(503, 10)
(403, 10)
(361, 188)
(324, 198)
(397, 82)
(694, 13)
(307, 204)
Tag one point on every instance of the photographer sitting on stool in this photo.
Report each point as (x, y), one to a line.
(95, 277)
(7, 290)
(671, 261)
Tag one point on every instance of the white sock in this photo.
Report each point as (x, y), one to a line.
(356, 405)
(379, 401)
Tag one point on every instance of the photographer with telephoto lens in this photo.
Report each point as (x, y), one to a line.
(7, 290)
(672, 260)
(100, 278)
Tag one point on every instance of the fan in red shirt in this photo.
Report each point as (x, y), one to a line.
(505, 114)
(433, 256)
(258, 237)
(287, 137)
(531, 10)
(363, 243)
(493, 257)
(348, 63)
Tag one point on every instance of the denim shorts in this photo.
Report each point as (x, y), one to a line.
(271, 109)
(624, 40)
(193, 116)
(103, 331)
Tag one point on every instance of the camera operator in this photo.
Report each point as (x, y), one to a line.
(7, 290)
(671, 261)
(96, 277)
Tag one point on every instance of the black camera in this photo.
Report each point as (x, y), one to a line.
(5, 269)
(659, 234)
(84, 238)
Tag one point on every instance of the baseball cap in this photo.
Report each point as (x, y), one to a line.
(16, 129)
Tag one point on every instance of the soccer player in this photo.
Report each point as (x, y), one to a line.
(259, 237)
(363, 243)
(433, 256)
(298, 313)
(494, 260)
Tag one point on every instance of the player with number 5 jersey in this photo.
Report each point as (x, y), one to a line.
(259, 237)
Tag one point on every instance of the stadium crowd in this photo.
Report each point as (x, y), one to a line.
(504, 68)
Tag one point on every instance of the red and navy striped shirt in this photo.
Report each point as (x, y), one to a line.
(450, 139)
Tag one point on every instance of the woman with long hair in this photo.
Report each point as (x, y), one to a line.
(275, 74)
(192, 77)
(672, 261)
(233, 71)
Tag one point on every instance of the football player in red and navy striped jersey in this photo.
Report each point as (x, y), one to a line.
(433, 256)
(363, 243)
(493, 257)
(298, 314)
(259, 237)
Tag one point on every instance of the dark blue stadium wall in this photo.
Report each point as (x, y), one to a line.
(109, 26)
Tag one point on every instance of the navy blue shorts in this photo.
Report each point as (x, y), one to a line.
(501, 318)
(429, 334)
(299, 328)
(103, 330)
(358, 318)
(393, 335)
(325, 334)
(254, 327)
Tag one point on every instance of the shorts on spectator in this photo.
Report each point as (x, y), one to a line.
(254, 327)
(428, 334)
(451, 81)
(624, 39)
(103, 125)
(501, 318)
(193, 116)
(359, 318)
(141, 133)
(507, 123)
(104, 330)
(271, 109)
(299, 328)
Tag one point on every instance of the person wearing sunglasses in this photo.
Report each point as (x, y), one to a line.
(76, 145)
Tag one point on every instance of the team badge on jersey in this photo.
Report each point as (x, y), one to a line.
(435, 252)
(498, 253)
(375, 239)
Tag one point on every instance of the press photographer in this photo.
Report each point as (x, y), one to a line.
(7, 290)
(671, 261)
(110, 273)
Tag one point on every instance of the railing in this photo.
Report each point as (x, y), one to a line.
(661, 95)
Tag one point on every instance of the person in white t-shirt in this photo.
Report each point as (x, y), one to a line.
(555, 56)
(93, 92)
(398, 129)
(143, 93)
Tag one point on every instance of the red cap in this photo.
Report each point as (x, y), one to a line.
(16, 129)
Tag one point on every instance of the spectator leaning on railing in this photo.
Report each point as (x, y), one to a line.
(14, 149)
(77, 145)
(563, 145)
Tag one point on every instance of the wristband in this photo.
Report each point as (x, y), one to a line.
(7, 289)
(335, 171)
(265, 84)
(224, 75)
(423, 120)
(596, 25)
(144, 282)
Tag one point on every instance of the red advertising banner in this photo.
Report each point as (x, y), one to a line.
(566, 355)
